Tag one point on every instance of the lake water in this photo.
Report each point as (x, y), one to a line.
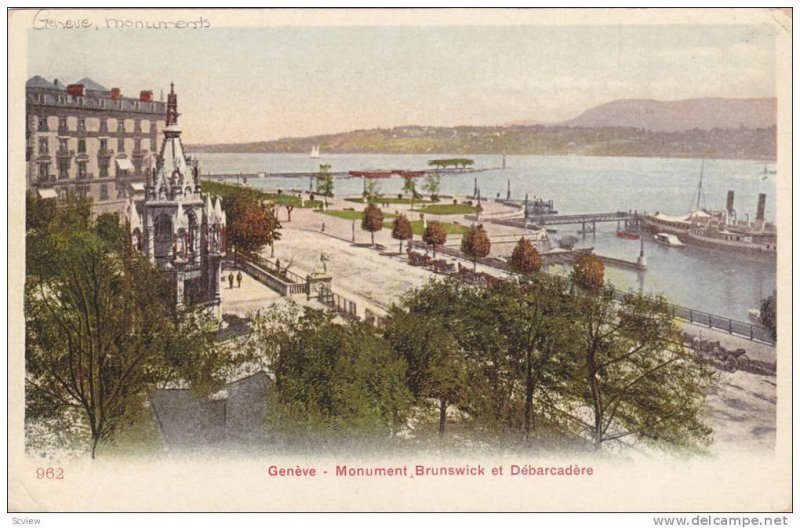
(720, 282)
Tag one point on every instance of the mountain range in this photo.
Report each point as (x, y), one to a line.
(672, 116)
(711, 127)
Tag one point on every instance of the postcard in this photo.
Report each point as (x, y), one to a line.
(407, 260)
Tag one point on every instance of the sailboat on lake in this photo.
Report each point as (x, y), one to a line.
(314, 152)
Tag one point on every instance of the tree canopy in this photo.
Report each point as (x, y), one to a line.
(372, 220)
(589, 272)
(769, 314)
(475, 244)
(101, 330)
(524, 258)
(401, 230)
(434, 235)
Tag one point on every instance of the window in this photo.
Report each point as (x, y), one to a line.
(62, 124)
(121, 125)
(137, 145)
(104, 192)
(153, 144)
(42, 145)
(63, 144)
(137, 126)
(42, 124)
(121, 145)
(103, 125)
(103, 145)
(43, 172)
(103, 168)
(81, 146)
(63, 169)
(81, 171)
(81, 125)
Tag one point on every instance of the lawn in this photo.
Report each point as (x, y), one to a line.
(291, 199)
(447, 209)
(450, 228)
(350, 215)
(226, 189)
(388, 200)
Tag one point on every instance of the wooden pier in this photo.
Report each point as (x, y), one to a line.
(588, 221)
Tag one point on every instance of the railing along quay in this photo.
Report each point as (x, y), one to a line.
(750, 331)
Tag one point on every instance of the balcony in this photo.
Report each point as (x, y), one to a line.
(105, 153)
(64, 153)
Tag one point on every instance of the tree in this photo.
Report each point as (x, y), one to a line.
(769, 314)
(372, 189)
(100, 327)
(525, 259)
(38, 211)
(432, 185)
(401, 230)
(435, 367)
(253, 226)
(434, 235)
(410, 187)
(372, 220)
(325, 182)
(326, 378)
(475, 244)
(589, 272)
(638, 378)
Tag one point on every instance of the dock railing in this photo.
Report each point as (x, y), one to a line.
(749, 331)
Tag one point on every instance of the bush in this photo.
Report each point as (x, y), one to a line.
(280, 191)
(311, 197)
(455, 201)
(399, 196)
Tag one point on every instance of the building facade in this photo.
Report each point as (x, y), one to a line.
(175, 226)
(92, 141)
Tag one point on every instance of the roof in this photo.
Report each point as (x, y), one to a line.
(668, 218)
(91, 85)
(37, 81)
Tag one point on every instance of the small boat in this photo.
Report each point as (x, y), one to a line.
(628, 234)
(314, 152)
(567, 242)
(668, 240)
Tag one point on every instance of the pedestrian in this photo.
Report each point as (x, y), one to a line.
(239, 280)
(323, 226)
(278, 264)
(230, 280)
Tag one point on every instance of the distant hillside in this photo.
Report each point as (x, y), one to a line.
(673, 116)
(732, 143)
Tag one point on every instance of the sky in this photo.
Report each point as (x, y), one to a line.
(262, 83)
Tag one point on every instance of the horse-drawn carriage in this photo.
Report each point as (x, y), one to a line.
(715, 353)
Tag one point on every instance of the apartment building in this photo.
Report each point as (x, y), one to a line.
(90, 140)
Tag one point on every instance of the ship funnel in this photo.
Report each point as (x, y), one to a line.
(729, 206)
(762, 201)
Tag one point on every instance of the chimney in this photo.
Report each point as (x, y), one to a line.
(116, 93)
(729, 207)
(146, 96)
(762, 201)
(75, 90)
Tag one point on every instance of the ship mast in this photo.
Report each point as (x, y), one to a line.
(700, 191)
